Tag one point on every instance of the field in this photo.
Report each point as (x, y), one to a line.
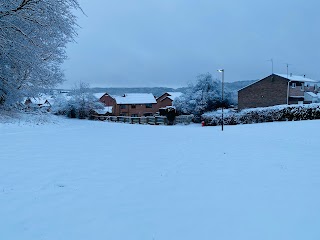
(72, 179)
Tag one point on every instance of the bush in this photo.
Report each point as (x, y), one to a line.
(202, 97)
(268, 114)
(79, 104)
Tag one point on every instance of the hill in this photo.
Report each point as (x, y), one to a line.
(158, 91)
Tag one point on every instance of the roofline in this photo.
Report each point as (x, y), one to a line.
(274, 74)
(136, 103)
(162, 95)
(257, 82)
(293, 80)
(108, 95)
(166, 98)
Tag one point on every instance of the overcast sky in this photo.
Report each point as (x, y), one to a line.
(146, 43)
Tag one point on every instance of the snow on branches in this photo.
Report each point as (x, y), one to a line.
(202, 97)
(33, 38)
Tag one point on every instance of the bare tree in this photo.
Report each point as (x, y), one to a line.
(33, 38)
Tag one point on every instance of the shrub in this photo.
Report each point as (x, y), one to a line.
(268, 114)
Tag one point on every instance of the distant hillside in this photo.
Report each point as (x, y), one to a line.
(235, 86)
(158, 91)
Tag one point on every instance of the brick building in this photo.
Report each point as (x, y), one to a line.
(136, 104)
(167, 99)
(131, 104)
(276, 89)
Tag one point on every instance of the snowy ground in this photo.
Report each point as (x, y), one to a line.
(94, 180)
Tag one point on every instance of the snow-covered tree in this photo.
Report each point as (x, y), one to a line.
(79, 104)
(33, 38)
(202, 97)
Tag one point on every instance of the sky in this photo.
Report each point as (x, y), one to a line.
(167, 43)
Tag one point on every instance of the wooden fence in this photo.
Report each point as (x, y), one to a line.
(158, 120)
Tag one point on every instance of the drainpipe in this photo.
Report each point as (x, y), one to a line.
(288, 92)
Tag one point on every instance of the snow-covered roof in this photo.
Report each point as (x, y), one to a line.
(174, 95)
(311, 94)
(104, 110)
(99, 95)
(41, 100)
(297, 78)
(290, 78)
(135, 98)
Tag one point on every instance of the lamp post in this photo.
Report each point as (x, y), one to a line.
(222, 96)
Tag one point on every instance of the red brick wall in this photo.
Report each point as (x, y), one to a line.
(297, 91)
(107, 100)
(269, 91)
(140, 110)
(166, 102)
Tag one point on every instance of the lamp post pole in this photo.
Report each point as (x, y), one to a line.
(222, 96)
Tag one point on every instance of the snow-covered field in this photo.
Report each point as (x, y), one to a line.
(94, 180)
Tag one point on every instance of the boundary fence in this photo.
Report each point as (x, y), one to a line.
(154, 120)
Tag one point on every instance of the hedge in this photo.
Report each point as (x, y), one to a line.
(267, 114)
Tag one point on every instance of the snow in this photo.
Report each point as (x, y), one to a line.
(104, 110)
(41, 100)
(135, 98)
(174, 95)
(311, 94)
(99, 95)
(73, 179)
(297, 78)
(290, 77)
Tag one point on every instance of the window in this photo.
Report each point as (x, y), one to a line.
(302, 87)
(148, 114)
(293, 85)
(134, 115)
(149, 105)
(133, 106)
(123, 106)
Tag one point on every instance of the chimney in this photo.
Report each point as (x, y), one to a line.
(304, 76)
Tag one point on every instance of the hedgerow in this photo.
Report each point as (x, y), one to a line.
(267, 114)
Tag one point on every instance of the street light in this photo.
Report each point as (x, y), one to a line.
(222, 93)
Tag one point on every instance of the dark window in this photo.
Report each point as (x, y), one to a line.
(134, 115)
(147, 114)
(133, 106)
(149, 105)
(123, 106)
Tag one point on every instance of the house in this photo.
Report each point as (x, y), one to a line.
(135, 105)
(42, 101)
(131, 104)
(276, 89)
(106, 99)
(166, 99)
